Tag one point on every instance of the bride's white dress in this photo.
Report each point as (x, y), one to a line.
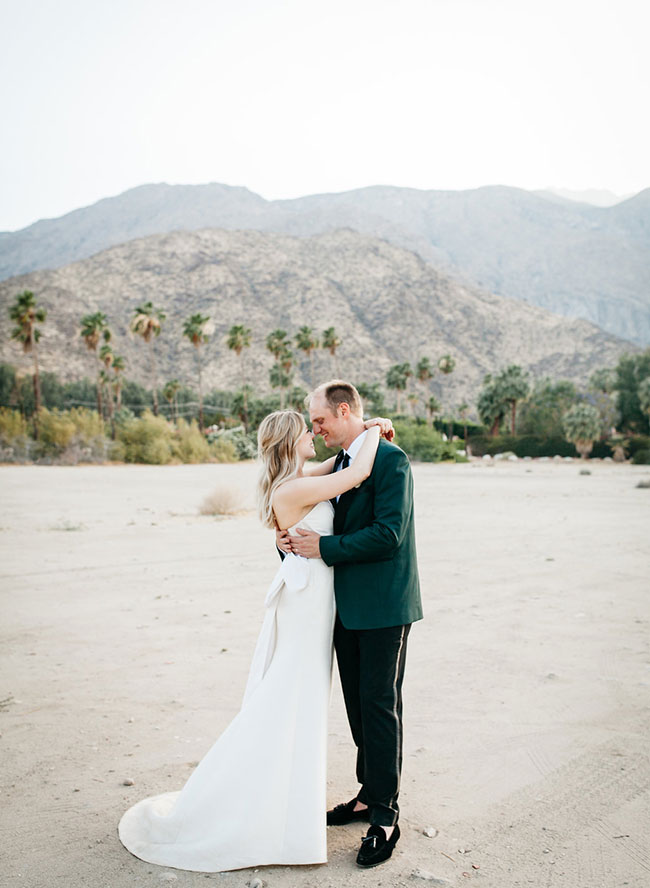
(258, 796)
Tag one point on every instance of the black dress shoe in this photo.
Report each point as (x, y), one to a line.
(375, 847)
(345, 813)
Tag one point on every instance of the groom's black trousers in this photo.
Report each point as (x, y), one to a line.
(371, 665)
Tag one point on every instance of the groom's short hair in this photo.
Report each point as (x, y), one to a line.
(337, 392)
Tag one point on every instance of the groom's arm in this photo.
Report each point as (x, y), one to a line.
(392, 509)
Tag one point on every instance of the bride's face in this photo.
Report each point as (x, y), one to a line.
(305, 446)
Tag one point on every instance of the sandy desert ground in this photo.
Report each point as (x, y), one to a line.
(128, 622)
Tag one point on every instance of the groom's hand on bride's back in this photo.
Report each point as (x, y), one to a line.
(306, 543)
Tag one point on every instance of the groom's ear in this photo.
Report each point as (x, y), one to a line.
(344, 407)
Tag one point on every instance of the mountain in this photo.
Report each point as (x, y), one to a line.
(571, 258)
(387, 304)
(598, 197)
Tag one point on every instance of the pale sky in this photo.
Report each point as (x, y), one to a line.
(299, 97)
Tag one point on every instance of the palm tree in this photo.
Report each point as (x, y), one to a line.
(582, 427)
(239, 405)
(94, 328)
(147, 322)
(194, 329)
(424, 370)
(407, 370)
(26, 314)
(107, 357)
(513, 384)
(397, 379)
(170, 393)
(491, 404)
(280, 379)
(307, 342)
(433, 408)
(239, 338)
(118, 368)
(331, 342)
(276, 343)
(280, 374)
(446, 364)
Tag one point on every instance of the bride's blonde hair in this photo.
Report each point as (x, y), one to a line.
(277, 438)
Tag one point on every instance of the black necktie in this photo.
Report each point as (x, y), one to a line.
(341, 457)
(343, 460)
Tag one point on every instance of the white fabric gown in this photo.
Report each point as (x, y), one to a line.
(258, 796)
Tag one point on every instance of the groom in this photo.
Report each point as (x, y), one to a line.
(377, 598)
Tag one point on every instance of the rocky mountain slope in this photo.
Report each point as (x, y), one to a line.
(571, 258)
(387, 304)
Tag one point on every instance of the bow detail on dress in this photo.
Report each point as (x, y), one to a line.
(294, 574)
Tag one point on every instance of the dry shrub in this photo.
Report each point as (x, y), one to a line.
(55, 431)
(223, 451)
(88, 424)
(12, 425)
(189, 444)
(147, 439)
(223, 501)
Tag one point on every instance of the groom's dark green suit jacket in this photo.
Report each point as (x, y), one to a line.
(373, 547)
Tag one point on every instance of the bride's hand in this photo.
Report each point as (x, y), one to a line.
(385, 426)
(282, 540)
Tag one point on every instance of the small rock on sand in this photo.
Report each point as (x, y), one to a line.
(128, 782)
(430, 831)
(255, 883)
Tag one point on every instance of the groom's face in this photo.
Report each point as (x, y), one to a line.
(332, 426)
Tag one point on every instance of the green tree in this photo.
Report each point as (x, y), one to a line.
(118, 369)
(277, 343)
(307, 342)
(371, 394)
(94, 329)
(170, 394)
(491, 404)
(542, 411)
(147, 323)
(280, 379)
(644, 395)
(240, 404)
(582, 427)
(195, 330)
(239, 338)
(424, 371)
(107, 357)
(630, 371)
(603, 380)
(280, 375)
(296, 398)
(433, 408)
(397, 379)
(513, 386)
(25, 314)
(446, 364)
(332, 342)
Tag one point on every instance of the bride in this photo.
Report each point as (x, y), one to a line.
(258, 796)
